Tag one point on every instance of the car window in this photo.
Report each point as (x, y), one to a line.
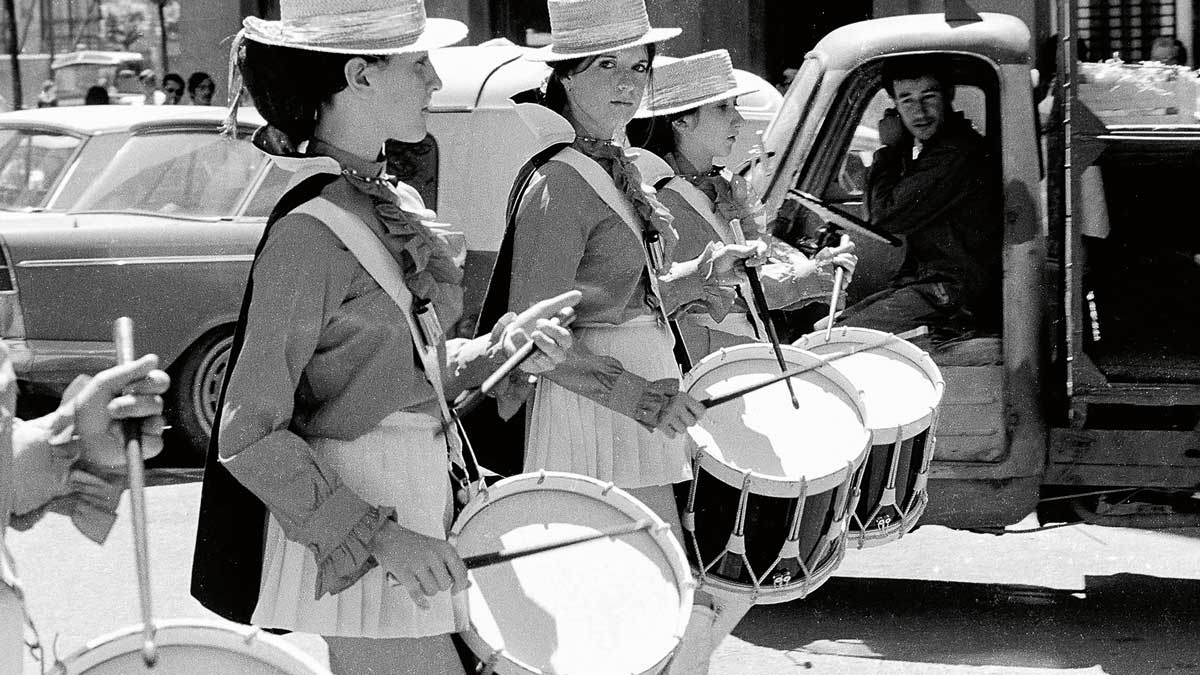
(196, 174)
(269, 192)
(31, 164)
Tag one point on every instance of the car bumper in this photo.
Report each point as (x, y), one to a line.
(52, 364)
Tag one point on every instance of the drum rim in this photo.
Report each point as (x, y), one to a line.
(777, 486)
(169, 627)
(668, 543)
(916, 356)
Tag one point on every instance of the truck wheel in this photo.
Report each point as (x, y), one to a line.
(191, 403)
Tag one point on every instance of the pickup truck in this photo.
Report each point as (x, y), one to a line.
(1086, 408)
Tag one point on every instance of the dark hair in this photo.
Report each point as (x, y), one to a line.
(555, 97)
(913, 67)
(96, 95)
(656, 134)
(173, 77)
(196, 79)
(290, 85)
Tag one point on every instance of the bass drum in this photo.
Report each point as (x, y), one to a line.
(192, 648)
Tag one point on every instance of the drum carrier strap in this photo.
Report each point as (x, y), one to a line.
(422, 319)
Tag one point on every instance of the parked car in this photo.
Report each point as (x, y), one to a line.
(148, 212)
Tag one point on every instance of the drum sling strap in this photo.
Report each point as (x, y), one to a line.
(426, 331)
(232, 524)
(728, 232)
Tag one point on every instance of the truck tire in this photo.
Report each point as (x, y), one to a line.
(196, 380)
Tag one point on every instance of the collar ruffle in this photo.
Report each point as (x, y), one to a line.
(628, 179)
(426, 259)
(732, 197)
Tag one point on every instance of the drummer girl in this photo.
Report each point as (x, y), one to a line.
(585, 220)
(689, 119)
(333, 413)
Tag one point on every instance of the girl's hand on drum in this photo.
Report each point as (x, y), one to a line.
(682, 412)
(423, 565)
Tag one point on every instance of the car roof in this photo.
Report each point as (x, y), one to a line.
(95, 57)
(97, 119)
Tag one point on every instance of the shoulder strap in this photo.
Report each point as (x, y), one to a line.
(702, 205)
(729, 233)
(602, 183)
(370, 252)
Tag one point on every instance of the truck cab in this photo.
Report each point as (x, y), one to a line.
(1080, 409)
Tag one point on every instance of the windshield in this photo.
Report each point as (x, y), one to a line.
(779, 134)
(192, 174)
(31, 164)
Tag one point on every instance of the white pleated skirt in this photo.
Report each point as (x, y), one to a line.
(569, 432)
(401, 463)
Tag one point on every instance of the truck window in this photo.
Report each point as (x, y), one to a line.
(850, 181)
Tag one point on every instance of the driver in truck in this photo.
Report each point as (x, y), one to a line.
(935, 181)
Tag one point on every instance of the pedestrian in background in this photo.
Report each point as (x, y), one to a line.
(200, 88)
(70, 462)
(48, 96)
(172, 89)
(153, 95)
(96, 95)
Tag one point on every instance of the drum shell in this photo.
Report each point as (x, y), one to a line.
(824, 497)
(471, 535)
(187, 647)
(890, 504)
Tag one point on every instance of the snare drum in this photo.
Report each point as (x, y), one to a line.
(765, 513)
(192, 647)
(901, 388)
(616, 605)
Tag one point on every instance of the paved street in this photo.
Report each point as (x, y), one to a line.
(1070, 600)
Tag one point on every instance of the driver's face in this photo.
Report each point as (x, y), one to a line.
(922, 106)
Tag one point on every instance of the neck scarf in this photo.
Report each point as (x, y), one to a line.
(732, 197)
(426, 264)
(656, 219)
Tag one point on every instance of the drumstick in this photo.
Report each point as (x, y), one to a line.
(518, 357)
(826, 359)
(760, 302)
(837, 290)
(474, 562)
(131, 432)
(833, 300)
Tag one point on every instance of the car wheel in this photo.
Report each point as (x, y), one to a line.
(196, 389)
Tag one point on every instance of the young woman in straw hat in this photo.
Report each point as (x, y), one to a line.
(689, 120)
(334, 410)
(585, 220)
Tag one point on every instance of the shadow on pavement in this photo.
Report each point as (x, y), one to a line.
(1124, 623)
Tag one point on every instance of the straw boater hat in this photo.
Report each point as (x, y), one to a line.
(687, 83)
(581, 28)
(354, 27)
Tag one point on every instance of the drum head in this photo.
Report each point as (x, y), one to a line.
(608, 606)
(192, 648)
(900, 385)
(817, 445)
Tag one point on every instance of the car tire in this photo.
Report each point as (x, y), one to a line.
(196, 380)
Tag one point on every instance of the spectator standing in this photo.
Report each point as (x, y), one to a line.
(200, 87)
(154, 95)
(96, 95)
(48, 97)
(173, 87)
